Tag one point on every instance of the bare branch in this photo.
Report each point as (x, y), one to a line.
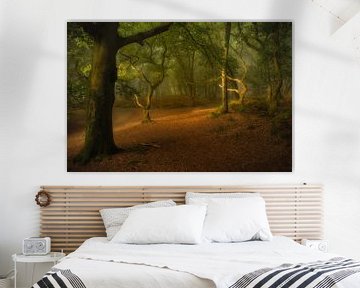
(251, 45)
(204, 49)
(141, 36)
(234, 79)
(132, 59)
(247, 41)
(137, 102)
(234, 90)
(133, 62)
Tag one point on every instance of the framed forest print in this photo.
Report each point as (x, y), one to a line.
(179, 96)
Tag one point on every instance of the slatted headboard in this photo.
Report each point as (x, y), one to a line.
(73, 215)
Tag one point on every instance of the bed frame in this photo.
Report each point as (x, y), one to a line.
(73, 215)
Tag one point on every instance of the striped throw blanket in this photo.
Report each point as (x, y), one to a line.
(57, 278)
(320, 274)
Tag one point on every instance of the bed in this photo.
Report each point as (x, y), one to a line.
(295, 211)
(99, 263)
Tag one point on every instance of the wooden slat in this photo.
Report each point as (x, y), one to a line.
(73, 216)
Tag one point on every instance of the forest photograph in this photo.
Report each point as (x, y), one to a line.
(179, 96)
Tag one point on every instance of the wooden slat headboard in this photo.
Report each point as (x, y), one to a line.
(73, 215)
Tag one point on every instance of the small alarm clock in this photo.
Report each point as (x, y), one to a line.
(36, 246)
(320, 245)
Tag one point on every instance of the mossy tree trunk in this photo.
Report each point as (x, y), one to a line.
(187, 75)
(270, 48)
(99, 139)
(243, 92)
(275, 89)
(276, 81)
(224, 70)
(191, 80)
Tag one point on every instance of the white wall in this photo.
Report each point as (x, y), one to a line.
(33, 109)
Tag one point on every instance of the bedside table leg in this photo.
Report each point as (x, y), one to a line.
(32, 274)
(15, 273)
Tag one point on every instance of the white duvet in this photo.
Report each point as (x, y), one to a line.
(100, 263)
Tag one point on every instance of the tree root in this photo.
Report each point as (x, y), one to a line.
(86, 155)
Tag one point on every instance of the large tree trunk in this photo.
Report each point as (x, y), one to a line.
(224, 70)
(243, 94)
(276, 83)
(99, 138)
(275, 89)
(192, 78)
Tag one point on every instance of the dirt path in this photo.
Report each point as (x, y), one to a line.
(188, 140)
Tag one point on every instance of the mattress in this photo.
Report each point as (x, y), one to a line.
(99, 263)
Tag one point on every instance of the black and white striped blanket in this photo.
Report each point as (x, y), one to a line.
(320, 274)
(57, 278)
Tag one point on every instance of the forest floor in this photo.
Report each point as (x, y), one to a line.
(186, 140)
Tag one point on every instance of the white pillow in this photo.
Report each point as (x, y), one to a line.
(113, 218)
(204, 198)
(180, 224)
(236, 220)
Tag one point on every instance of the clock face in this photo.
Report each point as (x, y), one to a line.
(40, 245)
(323, 247)
(36, 246)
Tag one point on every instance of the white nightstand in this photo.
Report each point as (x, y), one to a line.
(53, 257)
(320, 245)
